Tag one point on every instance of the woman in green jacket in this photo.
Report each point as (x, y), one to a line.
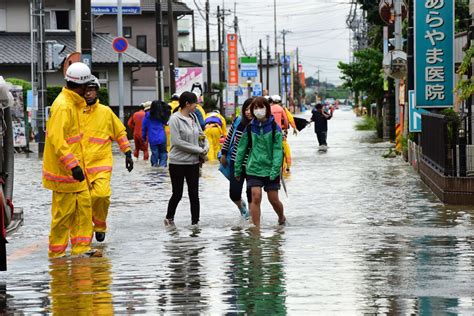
(263, 142)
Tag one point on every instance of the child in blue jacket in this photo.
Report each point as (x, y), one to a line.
(153, 131)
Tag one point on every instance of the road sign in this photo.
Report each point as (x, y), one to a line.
(257, 90)
(120, 44)
(248, 67)
(99, 7)
(415, 114)
(239, 91)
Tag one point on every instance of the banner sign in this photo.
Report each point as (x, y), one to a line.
(248, 67)
(187, 78)
(18, 117)
(434, 53)
(232, 55)
(99, 7)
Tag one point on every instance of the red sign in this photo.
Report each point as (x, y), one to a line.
(232, 57)
(120, 44)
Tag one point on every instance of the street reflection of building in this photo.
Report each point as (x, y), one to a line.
(256, 274)
(81, 286)
(182, 290)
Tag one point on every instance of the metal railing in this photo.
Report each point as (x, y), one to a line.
(437, 147)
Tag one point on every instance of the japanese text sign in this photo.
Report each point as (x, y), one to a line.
(232, 56)
(434, 53)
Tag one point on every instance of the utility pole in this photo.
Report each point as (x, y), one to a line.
(268, 64)
(279, 73)
(41, 77)
(171, 38)
(221, 79)
(86, 33)
(261, 61)
(275, 27)
(410, 62)
(319, 84)
(194, 33)
(159, 51)
(285, 66)
(208, 53)
(298, 79)
(398, 46)
(120, 61)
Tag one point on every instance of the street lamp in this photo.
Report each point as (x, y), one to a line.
(249, 88)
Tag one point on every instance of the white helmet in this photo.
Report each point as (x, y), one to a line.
(276, 98)
(78, 73)
(94, 82)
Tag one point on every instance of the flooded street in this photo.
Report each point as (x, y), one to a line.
(364, 236)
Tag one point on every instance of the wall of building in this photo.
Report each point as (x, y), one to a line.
(143, 24)
(17, 15)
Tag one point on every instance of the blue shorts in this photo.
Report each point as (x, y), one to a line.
(265, 182)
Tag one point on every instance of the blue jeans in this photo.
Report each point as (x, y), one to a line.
(158, 152)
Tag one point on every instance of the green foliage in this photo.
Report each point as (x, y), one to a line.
(465, 86)
(363, 75)
(454, 121)
(368, 123)
(462, 15)
(53, 91)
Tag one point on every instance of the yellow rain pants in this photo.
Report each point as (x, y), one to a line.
(71, 221)
(213, 134)
(100, 195)
(286, 155)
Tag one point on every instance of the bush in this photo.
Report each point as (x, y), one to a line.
(367, 123)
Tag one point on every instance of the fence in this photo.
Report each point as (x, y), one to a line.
(437, 149)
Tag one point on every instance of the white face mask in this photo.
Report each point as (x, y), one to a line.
(259, 113)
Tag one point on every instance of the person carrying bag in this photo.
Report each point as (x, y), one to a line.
(227, 157)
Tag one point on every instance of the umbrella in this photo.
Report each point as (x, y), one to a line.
(283, 183)
(300, 123)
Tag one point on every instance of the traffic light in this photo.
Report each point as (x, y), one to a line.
(57, 58)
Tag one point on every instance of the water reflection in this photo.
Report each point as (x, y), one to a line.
(182, 288)
(255, 272)
(81, 286)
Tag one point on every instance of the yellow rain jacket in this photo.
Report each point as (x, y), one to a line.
(101, 127)
(174, 105)
(291, 119)
(214, 133)
(63, 150)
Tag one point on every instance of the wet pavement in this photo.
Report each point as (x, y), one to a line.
(364, 236)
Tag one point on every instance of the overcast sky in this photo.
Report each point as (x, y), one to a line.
(318, 29)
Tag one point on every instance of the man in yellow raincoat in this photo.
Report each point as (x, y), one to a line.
(215, 128)
(64, 167)
(101, 127)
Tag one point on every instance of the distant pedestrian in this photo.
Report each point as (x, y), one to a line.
(320, 119)
(262, 141)
(153, 132)
(215, 130)
(229, 153)
(185, 156)
(135, 124)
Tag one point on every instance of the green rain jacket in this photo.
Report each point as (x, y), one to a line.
(266, 155)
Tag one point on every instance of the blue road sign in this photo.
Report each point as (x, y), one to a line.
(414, 114)
(120, 44)
(239, 92)
(257, 90)
(248, 73)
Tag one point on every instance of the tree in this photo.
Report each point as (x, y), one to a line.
(364, 75)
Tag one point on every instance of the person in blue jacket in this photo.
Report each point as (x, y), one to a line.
(153, 131)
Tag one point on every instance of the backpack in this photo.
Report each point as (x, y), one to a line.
(249, 135)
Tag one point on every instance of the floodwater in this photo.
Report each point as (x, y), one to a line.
(364, 236)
